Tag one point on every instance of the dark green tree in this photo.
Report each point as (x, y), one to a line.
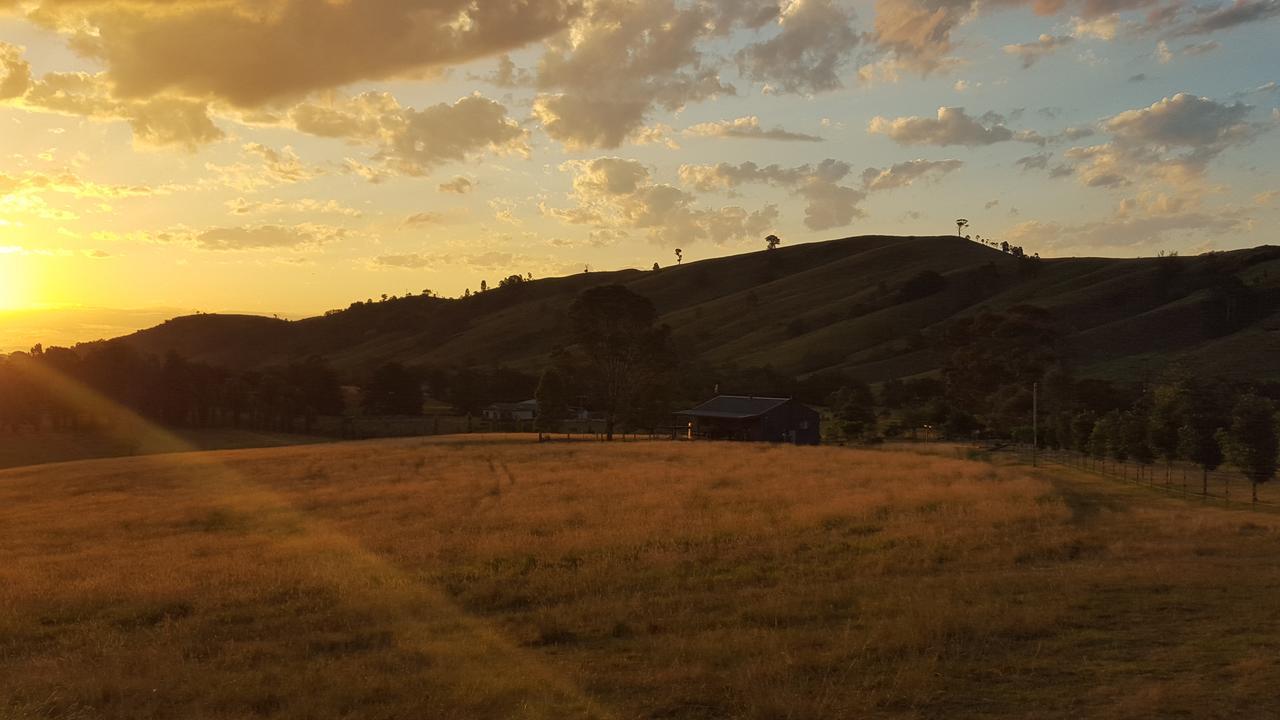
(1251, 442)
(853, 407)
(1168, 407)
(1204, 414)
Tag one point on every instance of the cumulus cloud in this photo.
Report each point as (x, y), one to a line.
(831, 201)
(616, 195)
(162, 120)
(905, 173)
(1172, 140)
(1183, 120)
(15, 72)
(809, 53)
(1029, 53)
(953, 126)
(411, 141)
(599, 83)
(250, 53)
(917, 35)
(747, 128)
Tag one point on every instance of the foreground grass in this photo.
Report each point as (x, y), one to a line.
(36, 448)
(470, 578)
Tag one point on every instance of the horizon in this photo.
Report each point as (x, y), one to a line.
(86, 323)
(435, 144)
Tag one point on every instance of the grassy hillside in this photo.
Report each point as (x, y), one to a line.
(509, 579)
(838, 305)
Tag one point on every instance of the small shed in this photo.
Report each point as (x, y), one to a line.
(754, 419)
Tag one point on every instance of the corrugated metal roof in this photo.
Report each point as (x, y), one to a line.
(735, 406)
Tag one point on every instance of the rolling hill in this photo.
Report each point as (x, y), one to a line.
(862, 305)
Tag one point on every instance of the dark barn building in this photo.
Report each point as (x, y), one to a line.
(758, 419)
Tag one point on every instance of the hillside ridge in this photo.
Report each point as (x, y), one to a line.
(859, 305)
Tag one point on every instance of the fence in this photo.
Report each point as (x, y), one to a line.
(1225, 484)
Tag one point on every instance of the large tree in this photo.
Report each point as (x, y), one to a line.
(1251, 443)
(393, 390)
(553, 401)
(615, 329)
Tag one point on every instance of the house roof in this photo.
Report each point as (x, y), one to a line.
(735, 406)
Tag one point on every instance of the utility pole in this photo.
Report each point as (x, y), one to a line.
(1035, 423)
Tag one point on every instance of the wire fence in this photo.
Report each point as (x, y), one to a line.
(1224, 484)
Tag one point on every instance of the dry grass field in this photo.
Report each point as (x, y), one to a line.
(500, 578)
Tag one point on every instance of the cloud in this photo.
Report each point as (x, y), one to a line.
(1182, 120)
(599, 83)
(310, 206)
(831, 201)
(1100, 28)
(747, 128)
(917, 33)
(905, 173)
(1201, 48)
(424, 218)
(15, 72)
(283, 165)
(414, 142)
(158, 121)
(1239, 12)
(1147, 222)
(1172, 140)
(952, 127)
(1039, 161)
(410, 261)
(507, 75)
(1031, 52)
(250, 53)
(263, 237)
(810, 52)
(615, 195)
(458, 186)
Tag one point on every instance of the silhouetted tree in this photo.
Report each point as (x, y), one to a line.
(772, 242)
(961, 224)
(679, 256)
(615, 327)
(553, 401)
(393, 390)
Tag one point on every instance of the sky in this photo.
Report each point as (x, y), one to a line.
(293, 156)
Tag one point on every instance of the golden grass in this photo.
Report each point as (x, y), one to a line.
(495, 578)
